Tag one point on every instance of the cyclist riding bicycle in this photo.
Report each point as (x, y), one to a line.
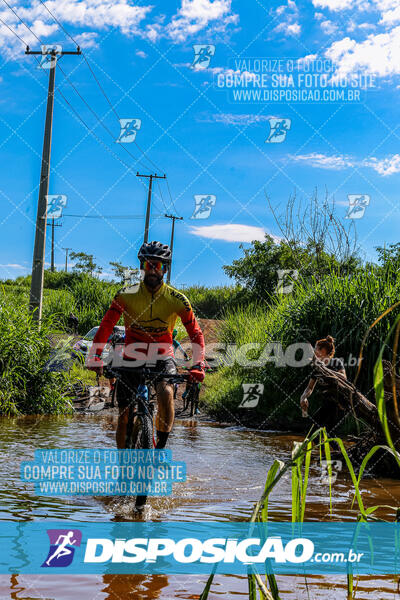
(150, 310)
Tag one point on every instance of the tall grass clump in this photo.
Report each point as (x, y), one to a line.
(212, 302)
(343, 307)
(299, 465)
(27, 383)
(86, 296)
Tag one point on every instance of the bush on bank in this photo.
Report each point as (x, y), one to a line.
(343, 307)
(26, 385)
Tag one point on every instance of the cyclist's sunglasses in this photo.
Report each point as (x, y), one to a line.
(157, 265)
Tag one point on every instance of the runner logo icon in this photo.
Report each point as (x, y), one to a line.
(62, 542)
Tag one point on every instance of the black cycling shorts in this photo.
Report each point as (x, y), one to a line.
(127, 382)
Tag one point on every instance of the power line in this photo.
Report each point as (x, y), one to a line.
(60, 24)
(170, 195)
(96, 80)
(161, 196)
(86, 103)
(107, 216)
(23, 22)
(14, 32)
(75, 89)
(138, 160)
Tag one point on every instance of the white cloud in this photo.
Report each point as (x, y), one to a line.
(141, 53)
(93, 14)
(323, 161)
(234, 119)
(383, 166)
(390, 11)
(192, 17)
(230, 232)
(88, 39)
(329, 27)
(13, 266)
(42, 29)
(378, 53)
(353, 26)
(197, 15)
(293, 29)
(99, 14)
(333, 4)
(289, 15)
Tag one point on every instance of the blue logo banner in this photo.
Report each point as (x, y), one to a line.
(179, 547)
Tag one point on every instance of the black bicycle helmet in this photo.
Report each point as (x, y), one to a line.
(155, 251)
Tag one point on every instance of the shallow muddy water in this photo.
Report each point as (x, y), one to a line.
(226, 469)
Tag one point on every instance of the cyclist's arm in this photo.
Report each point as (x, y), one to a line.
(110, 319)
(196, 335)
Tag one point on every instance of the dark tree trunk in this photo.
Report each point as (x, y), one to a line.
(352, 401)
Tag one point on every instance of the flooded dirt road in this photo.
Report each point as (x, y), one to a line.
(226, 470)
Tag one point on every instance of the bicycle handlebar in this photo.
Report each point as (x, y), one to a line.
(153, 375)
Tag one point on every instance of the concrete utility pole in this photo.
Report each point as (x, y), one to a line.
(150, 177)
(66, 258)
(52, 225)
(171, 244)
(36, 294)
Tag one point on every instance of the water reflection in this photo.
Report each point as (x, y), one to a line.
(226, 469)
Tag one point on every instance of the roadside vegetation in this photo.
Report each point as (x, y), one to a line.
(327, 289)
(28, 383)
(315, 452)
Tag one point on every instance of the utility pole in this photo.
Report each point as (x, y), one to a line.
(147, 223)
(66, 258)
(171, 244)
(36, 294)
(52, 225)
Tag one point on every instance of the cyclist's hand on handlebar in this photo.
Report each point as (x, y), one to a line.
(197, 372)
(94, 363)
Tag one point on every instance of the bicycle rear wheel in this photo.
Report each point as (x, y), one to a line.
(139, 436)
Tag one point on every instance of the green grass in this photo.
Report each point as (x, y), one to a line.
(26, 385)
(212, 302)
(341, 307)
(299, 466)
(87, 297)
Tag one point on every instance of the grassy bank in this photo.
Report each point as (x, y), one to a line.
(342, 307)
(28, 385)
(89, 297)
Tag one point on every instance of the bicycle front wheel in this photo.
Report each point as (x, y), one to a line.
(140, 437)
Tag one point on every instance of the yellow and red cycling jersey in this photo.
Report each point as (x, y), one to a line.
(150, 317)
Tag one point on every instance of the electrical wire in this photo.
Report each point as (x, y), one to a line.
(161, 196)
(170, 195)
(86, 103)
(14, 32)
(23, 22)
(79, 94)
(138, 160)
(95, 78)
(123, 217)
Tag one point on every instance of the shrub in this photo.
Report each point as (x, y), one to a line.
(343, 307)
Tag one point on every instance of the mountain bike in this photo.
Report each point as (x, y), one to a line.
(141, 409)
(191, 397)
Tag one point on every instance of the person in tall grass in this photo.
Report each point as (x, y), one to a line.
(330, 413)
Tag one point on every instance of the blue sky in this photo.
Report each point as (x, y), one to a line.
(192, 128)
